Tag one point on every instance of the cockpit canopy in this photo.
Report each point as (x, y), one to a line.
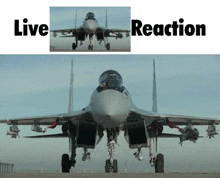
(90, 15)
(110, 78)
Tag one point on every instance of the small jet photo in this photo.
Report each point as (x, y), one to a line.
(75, 28)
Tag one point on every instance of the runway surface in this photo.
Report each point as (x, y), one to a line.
(112, 175)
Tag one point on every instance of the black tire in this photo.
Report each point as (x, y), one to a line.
(108, 46)
(74, 46)
(107, 166)
(65, 163)
(159, 166)
(91, 47)
(115, 166)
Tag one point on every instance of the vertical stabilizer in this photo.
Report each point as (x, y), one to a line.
(75, 18)
(70, 105)
(106, 20)
(154, 107)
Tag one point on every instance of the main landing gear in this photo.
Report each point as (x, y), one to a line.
(158, 161)
(67, 162)
(107, 44)
(74, 45)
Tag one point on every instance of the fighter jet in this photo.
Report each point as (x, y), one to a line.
(111, 110)
(91, 28)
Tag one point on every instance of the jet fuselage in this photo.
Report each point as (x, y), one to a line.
(90, 26)
(110, 103)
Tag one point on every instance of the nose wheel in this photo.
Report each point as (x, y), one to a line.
(90, 47)
(111, 167)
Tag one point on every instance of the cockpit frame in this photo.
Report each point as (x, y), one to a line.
(110, 79)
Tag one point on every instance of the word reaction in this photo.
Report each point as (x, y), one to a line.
(43, 29)
(174, 29)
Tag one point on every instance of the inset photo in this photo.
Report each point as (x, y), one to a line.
(90, 29)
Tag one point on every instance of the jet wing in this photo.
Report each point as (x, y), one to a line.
(116, 30)
(168, 135)
(48, 136)
(67, 30)
(174, 119)
(48, 120)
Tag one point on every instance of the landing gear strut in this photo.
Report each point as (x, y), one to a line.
(111, 165)
(90, 47)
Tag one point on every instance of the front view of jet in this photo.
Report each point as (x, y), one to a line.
(110, 111)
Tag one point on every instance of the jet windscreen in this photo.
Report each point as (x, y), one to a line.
(90, 15)
(110, 78)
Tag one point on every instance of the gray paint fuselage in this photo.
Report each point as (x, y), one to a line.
(110, 108)
(90, 26)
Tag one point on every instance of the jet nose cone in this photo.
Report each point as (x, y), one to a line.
(90, 26)
(110, 108)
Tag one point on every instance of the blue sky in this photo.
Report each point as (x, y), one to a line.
(35, 85)
(64, 18)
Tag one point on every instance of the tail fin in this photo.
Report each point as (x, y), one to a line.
(106, 20)
(70, 105)
(154, 107)
(75, 18)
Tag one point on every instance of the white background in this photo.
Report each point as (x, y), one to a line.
(149, 12)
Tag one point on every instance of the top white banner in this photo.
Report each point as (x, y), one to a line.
(100, 27)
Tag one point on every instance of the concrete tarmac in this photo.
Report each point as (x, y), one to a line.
(111, 175)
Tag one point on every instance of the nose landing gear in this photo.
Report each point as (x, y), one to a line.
(111, 165)
(90, 47)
